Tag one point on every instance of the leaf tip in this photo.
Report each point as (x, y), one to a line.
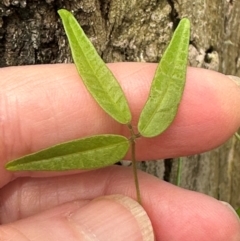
(185, 21)
(62, 11)
(10, 167)
(185, 24)
(64, 14)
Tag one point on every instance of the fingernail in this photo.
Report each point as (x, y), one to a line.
(114, 217)
(235, 79)
(229, 207)
(138, 213)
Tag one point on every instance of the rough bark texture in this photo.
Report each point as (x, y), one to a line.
(130, 30)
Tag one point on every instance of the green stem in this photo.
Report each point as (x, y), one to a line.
(237, 135)
(179, 171)
(134, 163)
(134, 166)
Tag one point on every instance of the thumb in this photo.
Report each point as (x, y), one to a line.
(114, 217)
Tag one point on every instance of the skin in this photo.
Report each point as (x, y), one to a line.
(44, 105)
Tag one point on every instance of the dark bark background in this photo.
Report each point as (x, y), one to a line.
(138, 30)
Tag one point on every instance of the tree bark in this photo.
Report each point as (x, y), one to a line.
(130, 30)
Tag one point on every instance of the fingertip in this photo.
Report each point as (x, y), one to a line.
(231, 209)
(179, 214)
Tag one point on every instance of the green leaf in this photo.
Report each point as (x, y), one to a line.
(238, 212)
(87, 153)
(96, 76)
(168, 85)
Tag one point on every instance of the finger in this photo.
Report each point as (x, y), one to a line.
(44, 105)
(122, 219)
(176, 214)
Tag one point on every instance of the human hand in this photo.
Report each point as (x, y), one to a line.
(44, 105)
